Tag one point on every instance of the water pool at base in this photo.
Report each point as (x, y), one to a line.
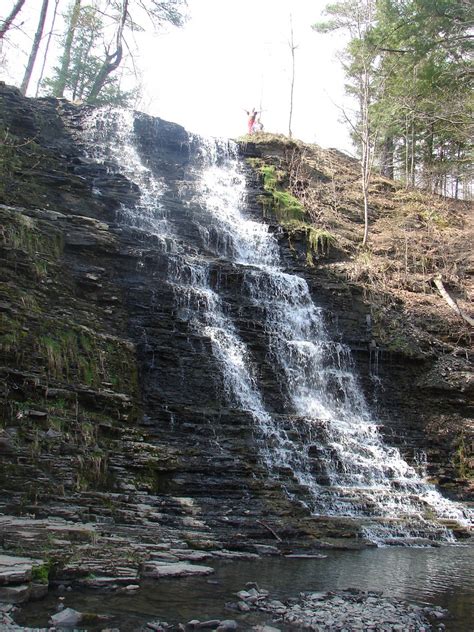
(441, 576)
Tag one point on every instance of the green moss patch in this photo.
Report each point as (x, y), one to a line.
(27, 242)
(291, 213)
(77, 353)
(285, 205)
(22, 233)
(40, 574)
(463, 459)
(68, 353)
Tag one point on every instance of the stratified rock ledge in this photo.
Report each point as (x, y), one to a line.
(179, 569)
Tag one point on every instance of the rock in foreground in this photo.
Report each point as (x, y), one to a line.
(347, 610)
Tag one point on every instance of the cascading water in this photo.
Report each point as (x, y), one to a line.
(325, 436)
(362, 476)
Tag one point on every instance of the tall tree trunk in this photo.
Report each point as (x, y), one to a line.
(34, 48)
(9, 19)
(430, 180)
(457, 177)
(75, 77)
(111, 61)
(407, 179)
(292, 49)
(387, 169)
(78, 91)
(53, 21)
(366, 158)
(66, 58)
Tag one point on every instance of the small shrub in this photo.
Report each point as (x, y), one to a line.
(40, 574)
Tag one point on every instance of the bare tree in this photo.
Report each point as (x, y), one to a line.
(45, 56)
(66, 57)
(112, 60)
(9, 20)
(357, 17)
(367, 140)
(35, 47)
(156, 12)
(292, 49)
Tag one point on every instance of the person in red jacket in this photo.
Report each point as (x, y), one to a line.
(251, 120)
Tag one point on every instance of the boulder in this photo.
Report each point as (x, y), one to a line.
(68, 617)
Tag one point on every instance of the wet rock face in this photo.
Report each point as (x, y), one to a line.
(113, 415)
(419, 387)
(164, 146)
(43, 165)
(115, 419)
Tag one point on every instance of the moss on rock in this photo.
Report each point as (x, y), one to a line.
(290, 212)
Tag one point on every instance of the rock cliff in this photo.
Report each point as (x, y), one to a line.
(116, 443)
(413, 352)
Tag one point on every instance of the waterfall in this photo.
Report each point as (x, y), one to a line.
(362, 476)
(325, 434)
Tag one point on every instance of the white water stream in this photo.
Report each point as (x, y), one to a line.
(326, 435)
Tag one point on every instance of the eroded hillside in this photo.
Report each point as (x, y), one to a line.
(386, 296)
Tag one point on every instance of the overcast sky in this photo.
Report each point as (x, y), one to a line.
(233, 55)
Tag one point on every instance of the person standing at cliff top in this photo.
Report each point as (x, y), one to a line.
(251, 120)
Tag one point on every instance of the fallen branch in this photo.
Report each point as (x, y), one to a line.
(452, 304)
(270, 529)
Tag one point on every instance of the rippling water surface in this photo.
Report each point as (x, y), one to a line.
(442, 576)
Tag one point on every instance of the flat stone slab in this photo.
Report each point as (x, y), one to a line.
(15, 594)
(106, 582)
(16, 570)
(189, 555)
(235, 555)
(309, 556)
(176, 569)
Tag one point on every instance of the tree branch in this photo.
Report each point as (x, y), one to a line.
(8, 21)
(452, 304)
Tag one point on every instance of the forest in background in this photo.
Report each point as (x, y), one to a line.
(408, 66)
(94, 46)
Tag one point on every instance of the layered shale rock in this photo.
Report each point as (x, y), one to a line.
(119, 449)
(115, 440)
(412, 352)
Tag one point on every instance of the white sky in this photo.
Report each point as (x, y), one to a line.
(233, 55)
